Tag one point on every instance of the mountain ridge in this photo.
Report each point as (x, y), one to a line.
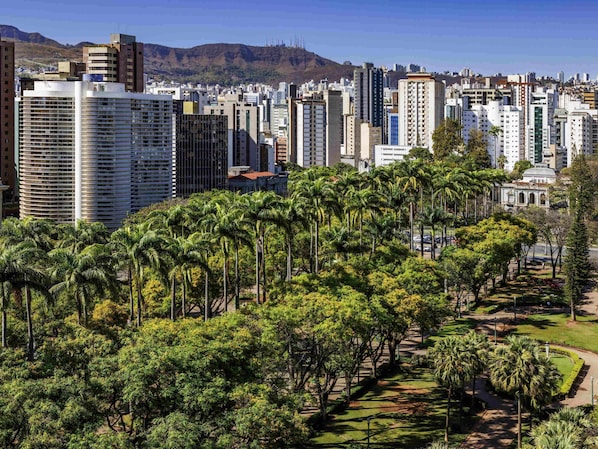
(223, 63)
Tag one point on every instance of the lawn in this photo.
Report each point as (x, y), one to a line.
(563, 363)
(557, 328)
(406, 410)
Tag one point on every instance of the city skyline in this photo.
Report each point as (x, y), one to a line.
(513, 37)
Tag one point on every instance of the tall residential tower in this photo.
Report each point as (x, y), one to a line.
(120, 61)
(92, 151)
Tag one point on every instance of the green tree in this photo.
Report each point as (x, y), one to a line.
(19, 269)
(577, 262)
(137, 249)
(84, 275)
(517, 368)
(453, 368)
(519, 169)
(447, 139)
(495, 132)
(477, 149)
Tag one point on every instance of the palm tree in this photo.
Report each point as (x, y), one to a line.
(318, 194)
(81, 235)
(566, 429)
(293, 211)
(517, 368)
(229, 227)
(38, 233)
(84, 274)
(453, 367)
(495, 131)
(137, 248)
(19, 269)
(259, 209)
(413, 176)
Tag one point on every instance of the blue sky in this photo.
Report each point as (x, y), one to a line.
(506, 36)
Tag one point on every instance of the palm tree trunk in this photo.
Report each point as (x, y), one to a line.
(448, 415)
(289, 258)
(257, 269)
(78, 305)
(207, 308)
(131, 299)
(138, 302)
(30, 340)
(317, 267)
(4, 343)
(225, 280)
(237, 280)
(184, 297)
(518, 422)
(263, 263)
(173, 298)
(411, 229)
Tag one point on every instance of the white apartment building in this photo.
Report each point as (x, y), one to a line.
(92, 151)
(579, 132)
(509, 119)
(421, 109)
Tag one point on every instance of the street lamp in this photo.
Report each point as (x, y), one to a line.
(547, 350)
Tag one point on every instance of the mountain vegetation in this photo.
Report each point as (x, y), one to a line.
(227, 64)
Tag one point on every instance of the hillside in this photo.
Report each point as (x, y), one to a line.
(226, 64)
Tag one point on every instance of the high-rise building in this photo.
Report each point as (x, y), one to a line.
(120, 61)
(311, 132)
(7, 121)
(201, 153)
(334, 125)
(509, 119)
(93, 151)
(369, 94)
(421, 109)
(540, 131)
(243, 129)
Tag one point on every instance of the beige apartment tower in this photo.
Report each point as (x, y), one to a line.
(120, 61)
(421, 109)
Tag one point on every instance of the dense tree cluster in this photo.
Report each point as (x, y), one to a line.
(98, 348)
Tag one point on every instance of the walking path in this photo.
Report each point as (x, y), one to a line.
(498, 426)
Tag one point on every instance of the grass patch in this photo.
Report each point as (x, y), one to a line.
(563, 363)
(406, 410)
(558, 328)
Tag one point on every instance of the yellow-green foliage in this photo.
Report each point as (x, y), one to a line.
(578, 363)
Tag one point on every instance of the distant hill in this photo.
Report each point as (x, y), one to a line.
(227, 64)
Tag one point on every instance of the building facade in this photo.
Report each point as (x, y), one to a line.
(369, 94)
(201, 153)
(421, 109)
(7, 121)
(92, 151)
(243, 130)
(120, 61)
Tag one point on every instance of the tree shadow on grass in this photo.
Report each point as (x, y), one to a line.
(538, 323)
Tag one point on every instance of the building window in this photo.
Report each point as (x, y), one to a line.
(532, 198)
(521, 198)
(543, 199)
